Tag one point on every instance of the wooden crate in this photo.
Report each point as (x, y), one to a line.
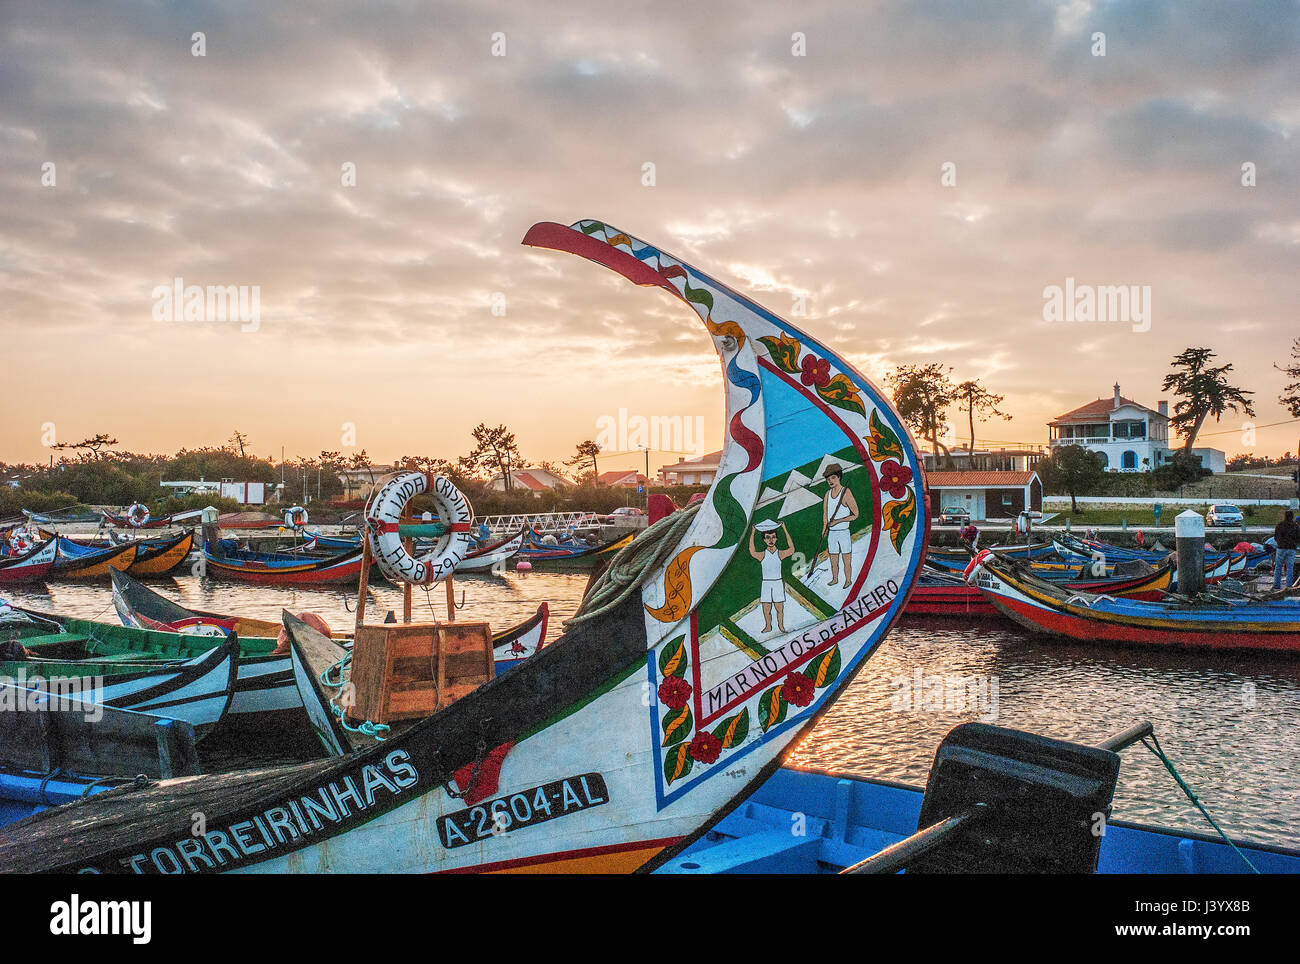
(403, 671)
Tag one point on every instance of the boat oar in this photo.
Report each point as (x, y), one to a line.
(898, 856)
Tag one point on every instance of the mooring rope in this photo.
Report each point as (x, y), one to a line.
(633, 565)
(1169, 765)
(327, 678)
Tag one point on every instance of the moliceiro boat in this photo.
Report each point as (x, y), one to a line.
(1224, 623)
(940, 593)
(225, 560)
(672, 695)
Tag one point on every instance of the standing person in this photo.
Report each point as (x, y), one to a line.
(772, 590)
(1287, 535)
(839, 508)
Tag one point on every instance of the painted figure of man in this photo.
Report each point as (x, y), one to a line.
(839, 508)
(772, 593)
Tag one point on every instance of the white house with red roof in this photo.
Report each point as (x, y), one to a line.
(534, 480)
(985, 495)
(1129, 436)
(626, 478)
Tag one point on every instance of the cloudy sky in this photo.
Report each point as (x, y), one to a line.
(817, 176)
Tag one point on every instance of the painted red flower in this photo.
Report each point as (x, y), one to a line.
(816, 371)
(798, 689)
(674, 692)
(894, 478)
(705, 747)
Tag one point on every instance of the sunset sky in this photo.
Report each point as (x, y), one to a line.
(816, 176)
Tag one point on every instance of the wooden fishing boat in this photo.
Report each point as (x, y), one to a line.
(1037, 550)
(1072, 548)
(140, 607)
(1043, 567)
(155, 557)
(164, 556)
(161, 522)
(1240, 624)
(197, 691)
(226, 561)
(570, 766)
(33, 566)
(491, 556)
(543, 556)
(946, 594)
(79, 562)
(61, 518)
(849, 817)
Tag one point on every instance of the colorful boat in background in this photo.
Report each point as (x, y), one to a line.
(197, 690)
(226, 560)
(1226, 623)
(571, 552)
(155, 557)
(35, 565)
(1037, 550)
(140, 607)
(76, 561)
(161, 522)
(947, 594)
(62, 518)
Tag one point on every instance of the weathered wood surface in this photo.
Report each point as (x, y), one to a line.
(116, 743)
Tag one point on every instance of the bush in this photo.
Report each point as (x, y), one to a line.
(13, 501)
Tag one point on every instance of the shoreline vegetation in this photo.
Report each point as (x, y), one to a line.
(117, 479)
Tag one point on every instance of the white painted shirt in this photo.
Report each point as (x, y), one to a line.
(837, 512)
(771, 564)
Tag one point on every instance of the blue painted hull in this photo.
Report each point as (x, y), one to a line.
(847, 819)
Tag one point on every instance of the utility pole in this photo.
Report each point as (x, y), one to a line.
(646, 449)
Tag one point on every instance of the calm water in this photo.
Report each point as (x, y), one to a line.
(1230, 723)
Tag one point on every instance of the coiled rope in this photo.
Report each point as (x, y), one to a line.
(335, 676)
(634, 564)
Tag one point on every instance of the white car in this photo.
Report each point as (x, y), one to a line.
(1224, 515)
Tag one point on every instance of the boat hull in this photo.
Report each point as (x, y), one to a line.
(849, 817)
(1043, 608)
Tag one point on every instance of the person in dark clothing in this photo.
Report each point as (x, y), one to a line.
(1287, 536)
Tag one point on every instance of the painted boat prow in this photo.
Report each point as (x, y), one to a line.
(624, 740)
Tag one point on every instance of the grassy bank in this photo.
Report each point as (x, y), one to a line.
(1143, 515)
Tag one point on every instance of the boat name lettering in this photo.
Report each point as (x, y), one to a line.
(319, 811)
(523, 809)
(813, 640)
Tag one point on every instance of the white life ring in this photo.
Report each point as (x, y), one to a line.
(137, 514)
(976, 565)
(296, 517)
(385, 511)
(21, 541)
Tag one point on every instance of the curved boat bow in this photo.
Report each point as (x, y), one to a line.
(647, 721)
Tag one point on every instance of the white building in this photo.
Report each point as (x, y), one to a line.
(698, 471)
(1129, 436)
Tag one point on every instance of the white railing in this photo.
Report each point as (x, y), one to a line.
(541, 521)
